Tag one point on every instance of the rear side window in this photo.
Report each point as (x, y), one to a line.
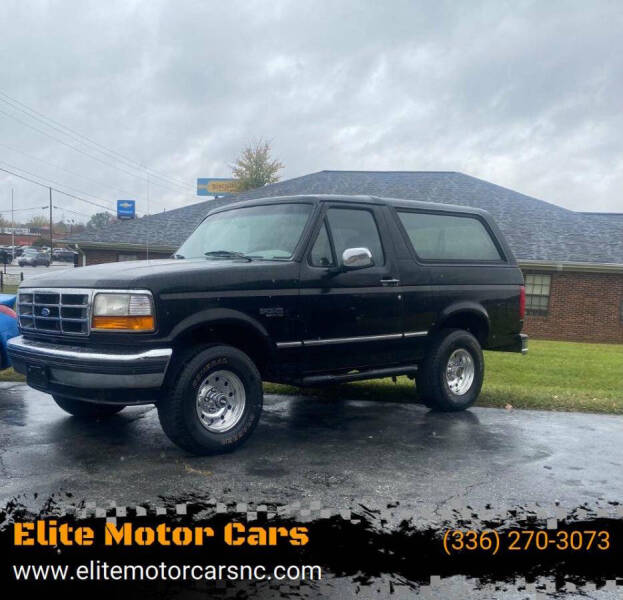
(355, 228)
(449, 237)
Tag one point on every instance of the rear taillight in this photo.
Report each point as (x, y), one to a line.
(522, 302)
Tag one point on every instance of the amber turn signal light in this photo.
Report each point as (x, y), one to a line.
(129, 323)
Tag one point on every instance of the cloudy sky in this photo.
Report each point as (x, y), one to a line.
(528, 95)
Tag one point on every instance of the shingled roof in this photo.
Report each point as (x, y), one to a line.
(166, 230)
(536, 230)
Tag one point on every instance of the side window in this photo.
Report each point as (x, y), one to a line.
(448, 237)
(321, 254)
(355, 228)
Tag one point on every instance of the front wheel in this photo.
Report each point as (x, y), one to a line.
(214, 402)
(87, 410)
(451, 377)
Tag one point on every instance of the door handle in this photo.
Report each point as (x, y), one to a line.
(390, 282)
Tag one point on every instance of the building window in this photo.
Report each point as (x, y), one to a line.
(538, 288)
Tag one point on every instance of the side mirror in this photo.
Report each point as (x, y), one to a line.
(357, 258)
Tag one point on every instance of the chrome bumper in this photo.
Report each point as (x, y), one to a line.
(47, 366)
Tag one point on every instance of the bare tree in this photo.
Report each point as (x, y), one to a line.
(37, 221)
(255, 168)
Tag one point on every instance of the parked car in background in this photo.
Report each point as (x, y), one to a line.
(33, 257)
(64, 254)
(15, 251)
(8, 326)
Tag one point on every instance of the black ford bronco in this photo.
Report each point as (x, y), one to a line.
(307, 290)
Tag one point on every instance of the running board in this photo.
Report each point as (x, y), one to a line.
(358, 376)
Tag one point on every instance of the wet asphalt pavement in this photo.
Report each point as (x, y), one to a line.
(338, 453)
(310, 449)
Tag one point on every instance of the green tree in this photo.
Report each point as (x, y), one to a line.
(255, 168)
(99, 220)
(41, 241)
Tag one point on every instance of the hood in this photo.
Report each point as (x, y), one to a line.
(167, 275)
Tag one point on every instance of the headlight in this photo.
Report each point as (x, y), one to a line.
(123, 312)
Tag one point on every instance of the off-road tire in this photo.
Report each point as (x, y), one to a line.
(177, 409)
(431, 381)
(87, 410)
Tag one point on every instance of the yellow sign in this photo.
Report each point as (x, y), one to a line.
(217, 186)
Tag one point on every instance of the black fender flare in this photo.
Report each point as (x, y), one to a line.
(219, 316)
(464, 307)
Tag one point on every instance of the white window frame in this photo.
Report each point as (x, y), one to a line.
(538, 286)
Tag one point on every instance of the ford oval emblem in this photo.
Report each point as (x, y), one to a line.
(45, 312)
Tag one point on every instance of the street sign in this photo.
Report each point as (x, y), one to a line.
(217, 186)
(126, 209)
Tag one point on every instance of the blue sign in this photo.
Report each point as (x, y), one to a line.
(217, 186)
(126, 209)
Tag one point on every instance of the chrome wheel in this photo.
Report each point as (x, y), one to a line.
(460, 372)
(220, 401)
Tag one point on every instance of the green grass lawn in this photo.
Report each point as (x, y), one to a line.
(564, 376)
(11, 375)
(9, 289)
(552, 376)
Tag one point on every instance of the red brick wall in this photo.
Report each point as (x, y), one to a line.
(97, 257)
(583, 307)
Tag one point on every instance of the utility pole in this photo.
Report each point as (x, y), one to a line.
(51, 227)
(12, 229)
(147, 229)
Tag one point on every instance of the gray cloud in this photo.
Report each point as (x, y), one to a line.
(524, 94)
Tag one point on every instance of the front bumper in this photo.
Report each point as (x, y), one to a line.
(57, 367)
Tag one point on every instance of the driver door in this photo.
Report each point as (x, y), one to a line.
(351, 318)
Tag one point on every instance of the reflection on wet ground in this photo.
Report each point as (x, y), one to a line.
(333, 451)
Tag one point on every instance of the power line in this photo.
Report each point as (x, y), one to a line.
(49, 186)
(80, 150)
(65, 130)
(57, 166)
(18, 209)
(80, 136)
(75, 212)
(60, 183)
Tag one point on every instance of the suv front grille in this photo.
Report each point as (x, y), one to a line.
(54, 311)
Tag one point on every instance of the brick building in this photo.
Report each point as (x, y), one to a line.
(572, 261)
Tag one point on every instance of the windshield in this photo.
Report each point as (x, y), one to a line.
(266, 232)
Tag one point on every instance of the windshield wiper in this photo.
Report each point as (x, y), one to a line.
(227, 254)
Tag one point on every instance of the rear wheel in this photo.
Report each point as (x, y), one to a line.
(82, 409)
(214, 402)
(451, 376)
